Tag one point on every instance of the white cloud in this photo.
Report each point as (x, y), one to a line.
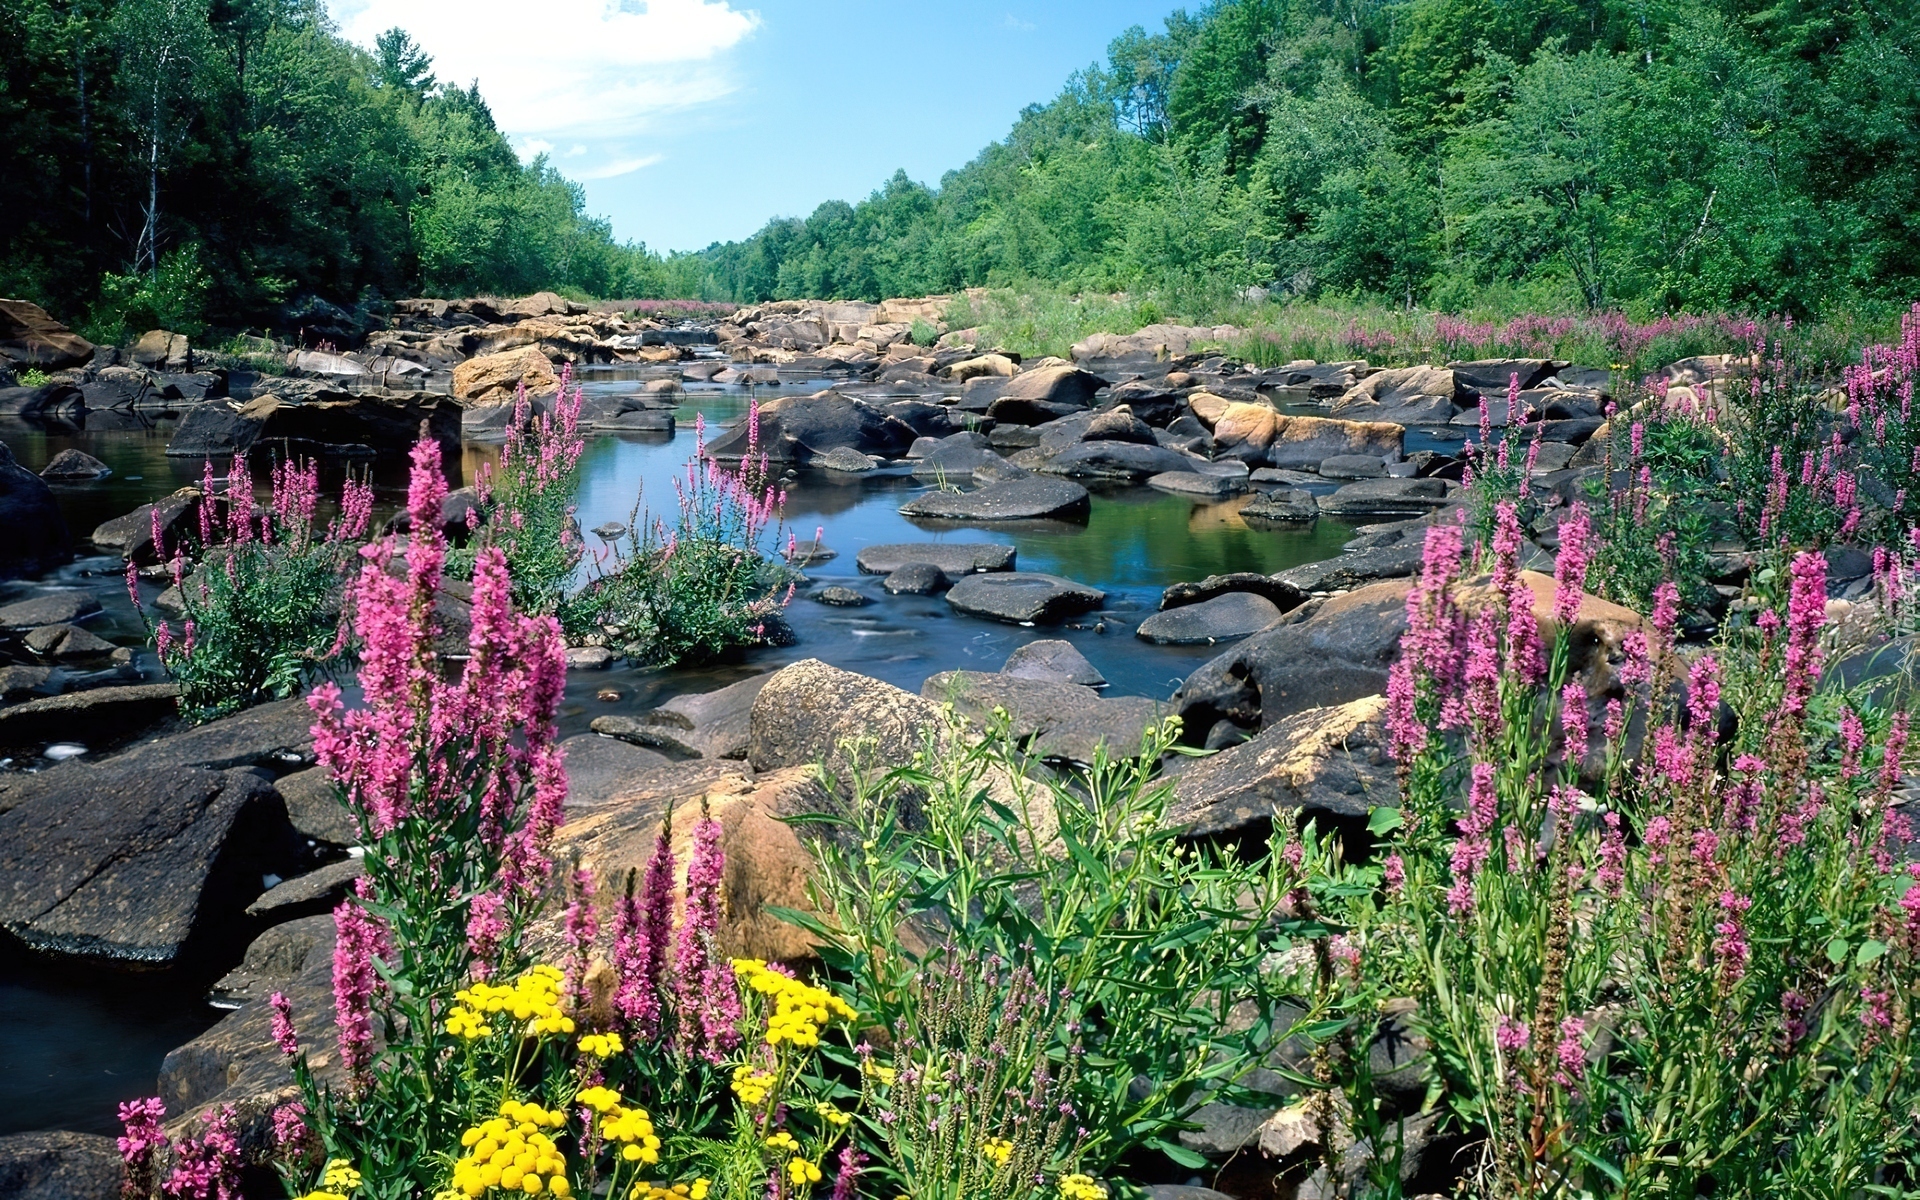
(530, 148)
(573, 69)
(1013, 22)
(616, 169)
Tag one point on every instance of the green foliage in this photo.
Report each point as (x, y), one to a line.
(1693, 154)
(923, 333)
(1150, 944)
(205, 163)
(34, 377)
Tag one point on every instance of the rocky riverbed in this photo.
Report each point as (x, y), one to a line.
(1147, 529)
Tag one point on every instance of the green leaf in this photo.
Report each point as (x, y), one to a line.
(1179, 1154)
(1837, 951)
(1602, 1165)
(1869, 950)
(1382, 821)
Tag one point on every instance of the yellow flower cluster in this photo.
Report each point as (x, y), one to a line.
(1081, 1187)
(323, 1196)
(631, 1129)
(832, 1115)
(884, 1074)
(783, 1141)
(998, 1150)
(697, 1190)
(752, 1086)
(799, 1009)
(533, 998)
(601, 1045)
(800, 1172)
(509, 1152)
(340, 1174)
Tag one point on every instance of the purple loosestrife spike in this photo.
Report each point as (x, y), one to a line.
(283, 1035)
(486, 929)
(851, 1161)
(142, 1137)
(1571, 1052)
(1570, 566)
(291, 1132)
(708, 995)
(353, 985)
(583, 926)
(1573, 726)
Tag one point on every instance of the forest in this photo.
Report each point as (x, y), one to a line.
(225, 163)
(1651, 155)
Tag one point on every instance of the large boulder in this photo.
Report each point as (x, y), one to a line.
(92, 717)
(1386, 498)
(496, 378)
(1053, 661)
(1018, 500)
(1052, 719)
(59, 1165)
(1302, 443)
(31, 338)
(813, 713)
(1331, 760)
(1038, 396)
(36, 538)
(1130, 461)
(47, 400)
(1224, 617)
(716, 724)
(799, 428)
(1023, 597)
(1318, 655)
(329, 423)
(130, 864)
(1492, 376)
(131, 535)
(162, 350)
(1406, 396)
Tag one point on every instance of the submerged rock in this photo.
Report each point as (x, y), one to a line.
(1023, 596)
(75, 466)
(36, 537)
(1021, 500)
(954, 559)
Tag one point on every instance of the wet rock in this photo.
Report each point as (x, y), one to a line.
(1192, 483)
(1130, 461)
(1118, 424)
(53, 400)
(608, 531)
(810, 552)
(24, 682)
(1386, 498)
(1319, 655)
(107, 712)
(318, 891)
(66, 643)
(1282, 504)
(131, 536)
(1037, 396)
(1352, 466)
(31, 337)
(916, 579)
(1051, 660)
(36, 533)
(1343, 572)
(275, 736)
(330, 422)
(191, 387)
(809, 712)
(1020, 500)
(845, 460)
(840, 597)
(1054, 719)
(956, 460)
(1282, 594)
(122, 864)
(589, 658)
(1222, 618)
(275, 959)
(798, 429)
(75, 466)
(162, 350)
(59, 1165)
(48, 608)
(1492, 376)
(1330, 760)
(315, 809)
(1023, 597)
(1551, 456)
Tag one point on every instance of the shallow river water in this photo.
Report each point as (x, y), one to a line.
(75, 1043)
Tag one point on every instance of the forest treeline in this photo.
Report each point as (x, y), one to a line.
(1759, 155)
(194, 162)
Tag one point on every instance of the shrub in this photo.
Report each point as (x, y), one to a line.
(527, 502)
(711, 583)
(1145, 954)
(924, 333)
(34, 377)
(262, 606)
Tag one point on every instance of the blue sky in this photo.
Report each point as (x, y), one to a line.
(693, 121)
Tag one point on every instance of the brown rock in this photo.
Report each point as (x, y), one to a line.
(1249, 424)
(59, 1166)
(1327, 759)
(32, 338)
(1302, 443)
(813, 713)
(494, 378)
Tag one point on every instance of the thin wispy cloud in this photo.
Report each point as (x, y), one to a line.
(1013, 22)
(616, 169)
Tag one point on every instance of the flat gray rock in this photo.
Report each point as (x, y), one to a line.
(600, 768)
(1023, 596)
(916, 579)
(1285, 504)
(1331, 759)
(837, 596)
(1051, 660)
(1021, 500)
(317, 891)
(1224, 617)
(1192, 483)
(1344, 572)
(1353, 466)
(52, 608)
(91, 717)
(1386, 498)
(315, 809)
(1117, 460)
(1281, 593)
(843, 459)
(59, 1166)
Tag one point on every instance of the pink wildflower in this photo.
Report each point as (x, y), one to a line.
(283, 1035)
